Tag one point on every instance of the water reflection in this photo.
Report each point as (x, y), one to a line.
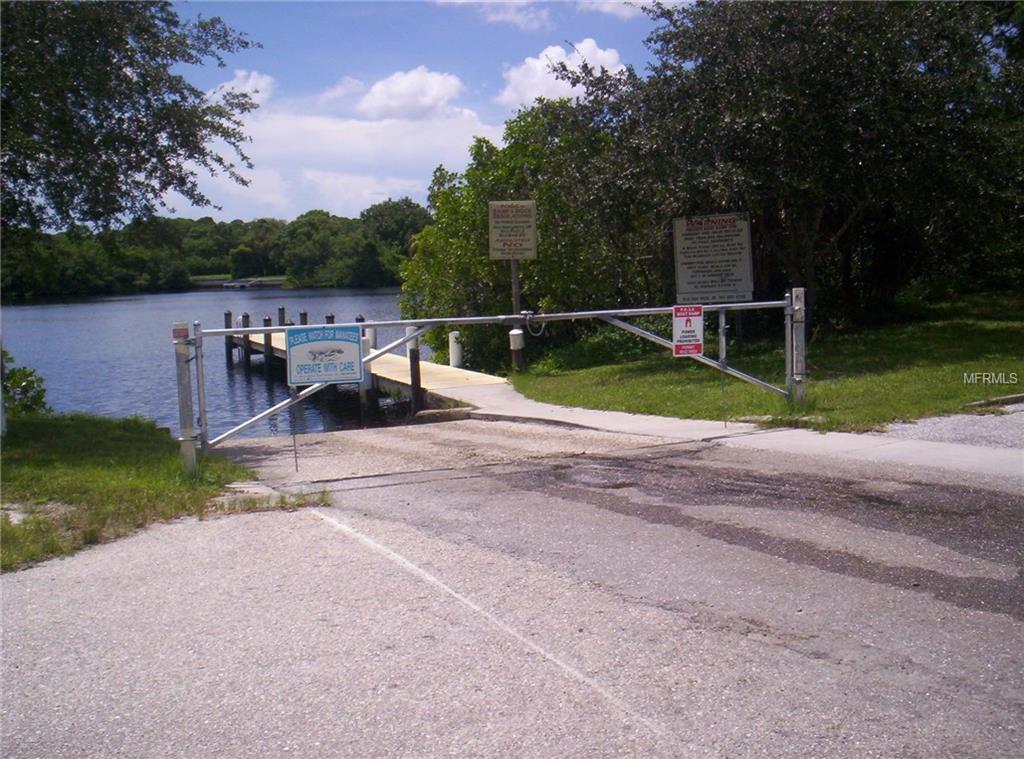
(113, 356)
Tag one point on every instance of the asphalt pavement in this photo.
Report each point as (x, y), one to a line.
(498, 588)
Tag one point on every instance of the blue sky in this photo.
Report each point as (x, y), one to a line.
(360, 101)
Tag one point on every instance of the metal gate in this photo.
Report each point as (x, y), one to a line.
(189, 349)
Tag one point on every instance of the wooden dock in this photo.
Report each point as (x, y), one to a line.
(390, 369)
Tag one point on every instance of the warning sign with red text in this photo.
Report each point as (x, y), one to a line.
(513, 230)
(688, 330)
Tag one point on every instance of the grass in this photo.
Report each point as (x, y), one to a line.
(858, 381)
(80, 480)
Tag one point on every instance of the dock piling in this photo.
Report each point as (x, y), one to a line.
(303, 317)
(229, 348)
(268, 348)
(329, 319)
(246, 343)
(282, 316)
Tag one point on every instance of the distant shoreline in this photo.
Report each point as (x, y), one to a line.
(274, 283)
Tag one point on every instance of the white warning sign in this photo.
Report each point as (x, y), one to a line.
(513, 229)
(688, 331)
(713, 262)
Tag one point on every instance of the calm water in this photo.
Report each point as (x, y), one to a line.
(113, 356)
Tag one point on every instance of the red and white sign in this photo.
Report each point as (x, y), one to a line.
(688, 331)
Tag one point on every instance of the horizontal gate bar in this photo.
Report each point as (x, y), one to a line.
(506, 318)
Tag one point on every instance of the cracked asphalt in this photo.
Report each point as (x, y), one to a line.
(496, 589)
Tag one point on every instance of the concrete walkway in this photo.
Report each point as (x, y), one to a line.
(502, 401)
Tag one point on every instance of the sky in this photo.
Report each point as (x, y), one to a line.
(361, 101)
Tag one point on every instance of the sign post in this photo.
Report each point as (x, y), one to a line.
(713, 263)
(688, 331)
(512, 228)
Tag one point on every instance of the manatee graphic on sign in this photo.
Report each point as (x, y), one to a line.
(324, 354)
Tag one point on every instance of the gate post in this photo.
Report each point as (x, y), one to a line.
(187, 440)
(799, 343)
(788, 336)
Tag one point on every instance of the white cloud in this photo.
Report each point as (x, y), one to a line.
(352, 193)
(259, 86)
(344, 87)
(306, 160)
(533, 77)
(412, 94)
(523, 14)
(624, 9)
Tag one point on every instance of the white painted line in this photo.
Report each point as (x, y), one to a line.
(430, 579)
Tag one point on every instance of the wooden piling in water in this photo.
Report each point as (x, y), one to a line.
(282, 316)
(246, 343)
(303, 317)
(229, 347)
(329, 319)
(268, 348)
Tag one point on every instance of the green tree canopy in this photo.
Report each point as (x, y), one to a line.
(868, 141)
(97, 127)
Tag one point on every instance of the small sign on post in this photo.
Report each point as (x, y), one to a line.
(688, 331)
(324, 354)
(513, 229)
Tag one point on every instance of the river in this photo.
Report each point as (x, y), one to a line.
(113, 356)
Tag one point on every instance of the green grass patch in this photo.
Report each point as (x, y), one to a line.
(858, 381)
(80, 480)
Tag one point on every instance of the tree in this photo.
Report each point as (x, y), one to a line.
(584, 260)
(96, 126)
(392, 223)
(864, 139)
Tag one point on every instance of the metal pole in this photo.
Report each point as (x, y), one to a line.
(187, 440)
(415, 382)
(722, 327)
(228, 340)
(799, 343)
(197, 338)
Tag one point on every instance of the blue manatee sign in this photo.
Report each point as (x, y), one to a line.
(324, 354)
